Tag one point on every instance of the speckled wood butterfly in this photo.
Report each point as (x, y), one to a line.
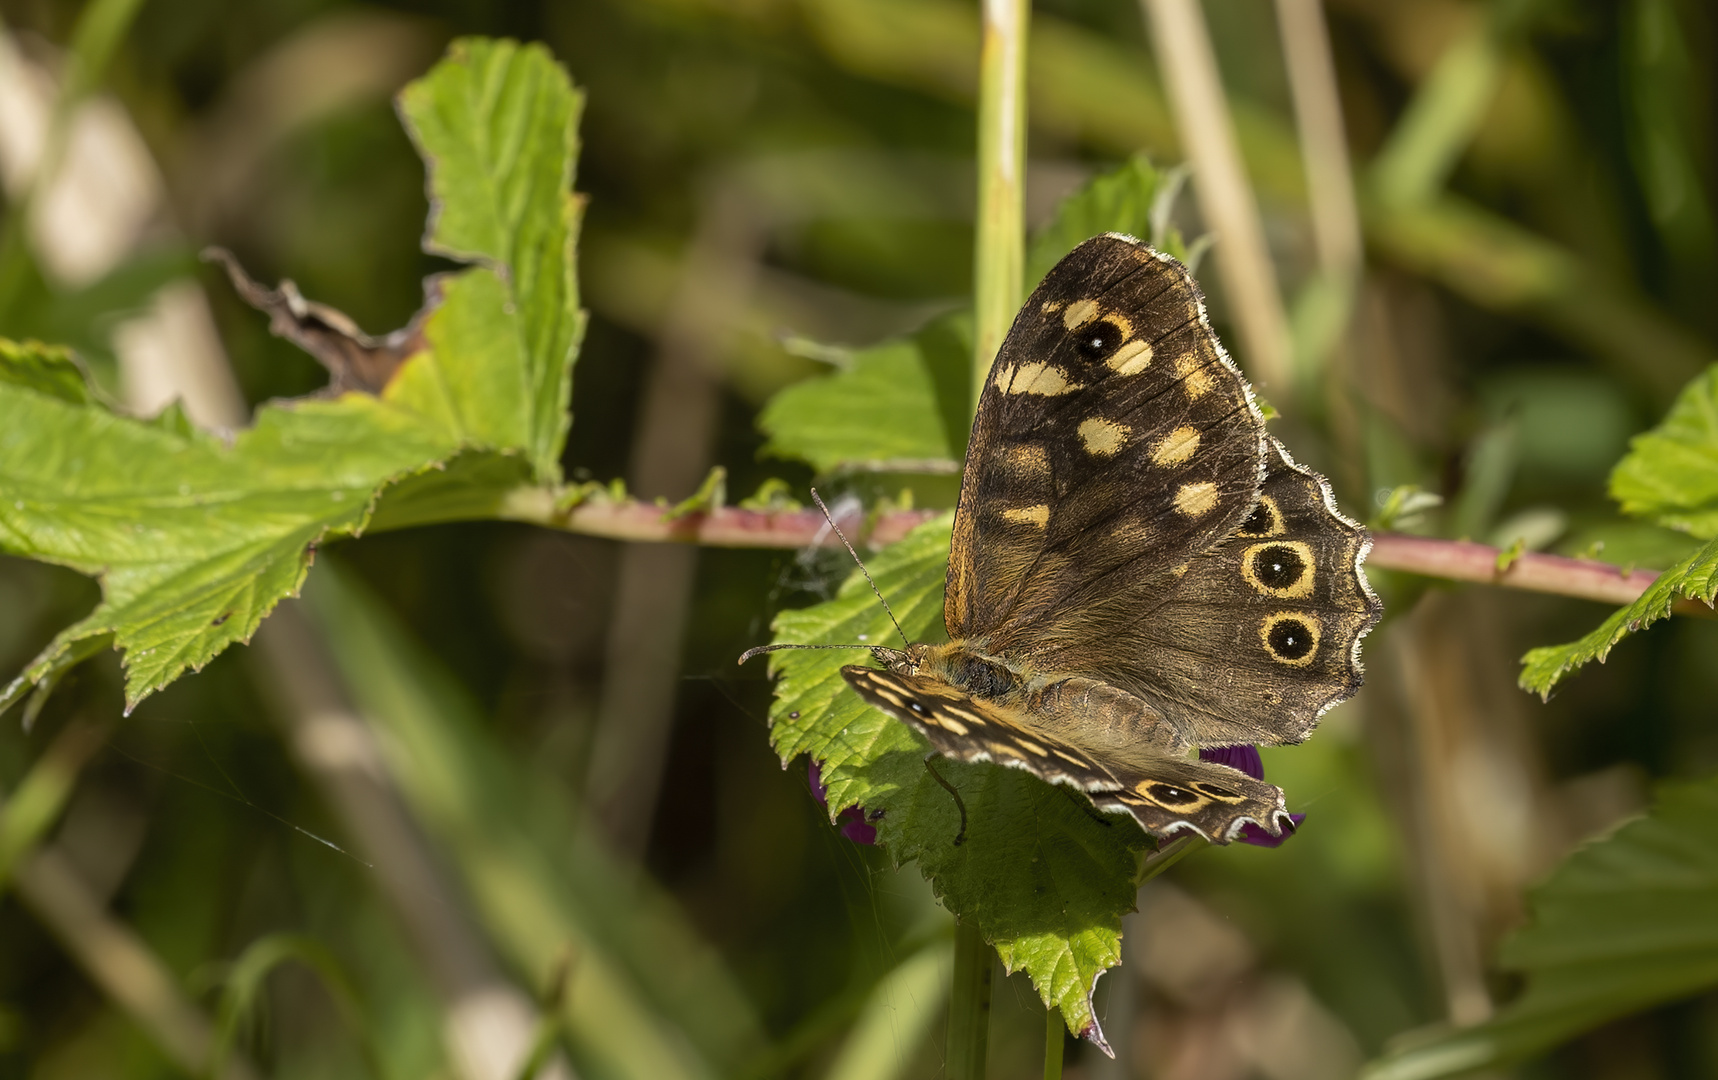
(1138, 568)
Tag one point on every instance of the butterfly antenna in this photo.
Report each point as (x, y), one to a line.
(749, 653)
(905, 640)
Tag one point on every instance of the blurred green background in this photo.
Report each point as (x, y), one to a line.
(585, 764)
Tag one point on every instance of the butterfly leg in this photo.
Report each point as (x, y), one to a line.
(959, 803)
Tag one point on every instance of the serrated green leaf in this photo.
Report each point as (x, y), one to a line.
(902, 404)
(1045, 876)
(195, 539)
(44, 369)
(1670, 474)
(1694, 578)
(1623, 924)
(1116, 201)
(497, 124)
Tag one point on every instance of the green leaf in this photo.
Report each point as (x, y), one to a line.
(1670, 474)
(905, 405)
(42, 369)
(497, 125)
(196, 539)
(1046, 877)
(1695, 578)
(901, 406)
(1623, 924)
(1116, 201)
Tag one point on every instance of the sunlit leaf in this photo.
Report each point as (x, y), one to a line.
(1695, 577)
(1622, 925)
(902, 405)
(195, 539)
(1116, 201)
(1670, 474)
(1046, 877)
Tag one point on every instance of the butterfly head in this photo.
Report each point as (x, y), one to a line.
(900, 661)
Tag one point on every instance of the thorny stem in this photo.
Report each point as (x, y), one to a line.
(1451, 560)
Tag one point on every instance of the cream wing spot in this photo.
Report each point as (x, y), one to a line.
(1132, 358)
(1079, 313)
(1052, 306)
(1196, 499)
(1103, 438)
(1028, 459)
(1176, 447)
(1037, 516)
(947, 722)
(1045, 380)
(1004, 377)
(1195, 380)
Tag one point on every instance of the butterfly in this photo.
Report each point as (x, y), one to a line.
(1138, 568)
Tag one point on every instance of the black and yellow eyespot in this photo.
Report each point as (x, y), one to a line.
(1096, 340)
(1290, 637)
(1282, 568)
(1265, 520)
(1170, 795)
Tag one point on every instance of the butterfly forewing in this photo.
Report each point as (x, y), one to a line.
(969, 729)
(1164, 794)
(1113, 440)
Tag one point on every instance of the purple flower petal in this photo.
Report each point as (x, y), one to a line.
(814, 773)
(854, 826)
(851, 821)
(1244, 757)
(1258, 837)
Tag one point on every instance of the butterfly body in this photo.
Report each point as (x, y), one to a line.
(1137, 568)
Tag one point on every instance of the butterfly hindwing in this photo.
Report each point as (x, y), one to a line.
(1113, 436)
(1257, 637)
(1169, 795)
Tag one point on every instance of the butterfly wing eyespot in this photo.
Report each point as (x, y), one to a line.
(1096, 340)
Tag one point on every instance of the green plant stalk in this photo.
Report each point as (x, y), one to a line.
(41, 797)
(969, 1003)
(1053, 1039)
(1440, 122)
(999, 264)
(999, 251)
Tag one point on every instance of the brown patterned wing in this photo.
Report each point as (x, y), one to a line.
(1165, 794)
(1114, 441)
(1258, 637)
(969, 729)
